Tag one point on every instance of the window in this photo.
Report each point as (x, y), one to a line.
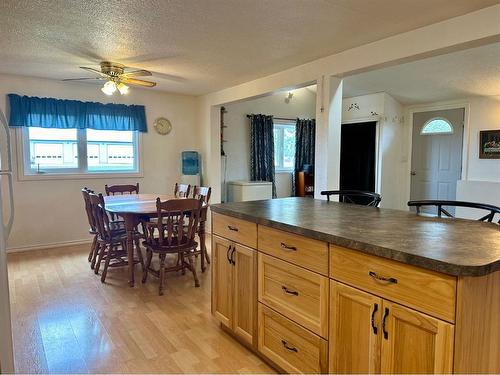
(284, 147)
(437, 125)
(75, 151)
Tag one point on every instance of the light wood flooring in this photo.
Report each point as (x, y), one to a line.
(65, 321)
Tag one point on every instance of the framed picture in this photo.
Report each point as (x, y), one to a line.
(489, 144)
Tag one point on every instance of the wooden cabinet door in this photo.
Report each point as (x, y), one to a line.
(355, 330)
(245, 293)
(222, 281)
(414, 342)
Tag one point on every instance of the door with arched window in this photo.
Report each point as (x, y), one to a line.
(436, 163)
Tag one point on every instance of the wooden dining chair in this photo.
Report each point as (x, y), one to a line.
(92, 225)
(111, 239)
(181, 190)
(121, 189)
(203, 193)
(166, 236)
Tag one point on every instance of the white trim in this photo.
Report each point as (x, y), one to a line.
(79, 175)
(20, 249)
(455, 104)
(362, 119)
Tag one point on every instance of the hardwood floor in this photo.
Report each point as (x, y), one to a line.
(65, 321)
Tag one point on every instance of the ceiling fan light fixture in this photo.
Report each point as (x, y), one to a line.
(122, 88)
(109, 88)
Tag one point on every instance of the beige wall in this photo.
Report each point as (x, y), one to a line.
(237, 133)
(51, 211)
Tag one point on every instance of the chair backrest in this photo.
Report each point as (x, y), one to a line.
(121, 189)
(177, 223)
(101, 218)
(203, 193)
(181, 190)
(364, 198)
(88, 208)
(489, 217)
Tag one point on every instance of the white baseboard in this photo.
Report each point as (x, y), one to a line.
(20, 249)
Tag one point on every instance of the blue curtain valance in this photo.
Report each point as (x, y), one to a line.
(70, 114)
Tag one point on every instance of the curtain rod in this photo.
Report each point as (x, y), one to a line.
(280, 118)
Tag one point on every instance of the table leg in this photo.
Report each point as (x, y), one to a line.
(130, 225)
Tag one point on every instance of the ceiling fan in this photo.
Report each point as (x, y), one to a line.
(116, 77)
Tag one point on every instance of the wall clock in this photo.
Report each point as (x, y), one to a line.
(162, 126)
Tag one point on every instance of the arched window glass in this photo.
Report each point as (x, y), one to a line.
(437, 126)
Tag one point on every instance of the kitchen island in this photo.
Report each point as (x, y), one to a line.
(316, 286)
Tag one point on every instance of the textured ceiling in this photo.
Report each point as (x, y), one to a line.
(458, 75)
(199, 46)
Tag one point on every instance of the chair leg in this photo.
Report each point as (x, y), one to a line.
(148, 264)
(192, 265)
(106, 264)
(183, 262)
(139, 253)
(92, 248)
(95, 255)
(162, 272)
(102, 252)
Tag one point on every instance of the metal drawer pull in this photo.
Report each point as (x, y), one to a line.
(390, 280)
(291, 348)
(374, 327)
(284, 246)
(289, 291)
(230, 227)
(386, 314)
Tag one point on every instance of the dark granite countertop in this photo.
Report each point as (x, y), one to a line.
(453, 246)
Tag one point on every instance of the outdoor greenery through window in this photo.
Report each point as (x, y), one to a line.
(284, 147)
(79, 151)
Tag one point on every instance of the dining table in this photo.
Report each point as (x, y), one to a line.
(133, 208)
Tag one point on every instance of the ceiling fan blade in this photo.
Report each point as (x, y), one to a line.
(82, 79)
(95, 71)
(138, 82)
(136, 73)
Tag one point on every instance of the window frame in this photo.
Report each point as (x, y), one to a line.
(25, 172)
(281, 126)
(437, 133)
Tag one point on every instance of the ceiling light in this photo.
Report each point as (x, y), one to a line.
(123, 88)
(109, 88)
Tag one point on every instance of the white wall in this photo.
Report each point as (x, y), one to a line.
(237, 133)
(391, 161)
(482, 180)
(51, 211)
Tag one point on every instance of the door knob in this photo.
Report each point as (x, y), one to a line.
(413, 173)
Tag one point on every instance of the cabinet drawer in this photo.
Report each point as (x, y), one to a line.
(427, 291)
(299, 250)
(237, 230)
(293, 348)
(299, 294)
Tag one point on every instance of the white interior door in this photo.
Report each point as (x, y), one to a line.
(436, 163)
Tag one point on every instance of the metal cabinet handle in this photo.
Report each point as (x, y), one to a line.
(284, 246)
(232, 256)
(227, 254)
(386, 314)
(374, 327)
(287, 347)
(288, 291)
(390, 280)
(230, 227)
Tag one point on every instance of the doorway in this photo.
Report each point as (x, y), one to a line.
(436, 163)
(358, 157)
